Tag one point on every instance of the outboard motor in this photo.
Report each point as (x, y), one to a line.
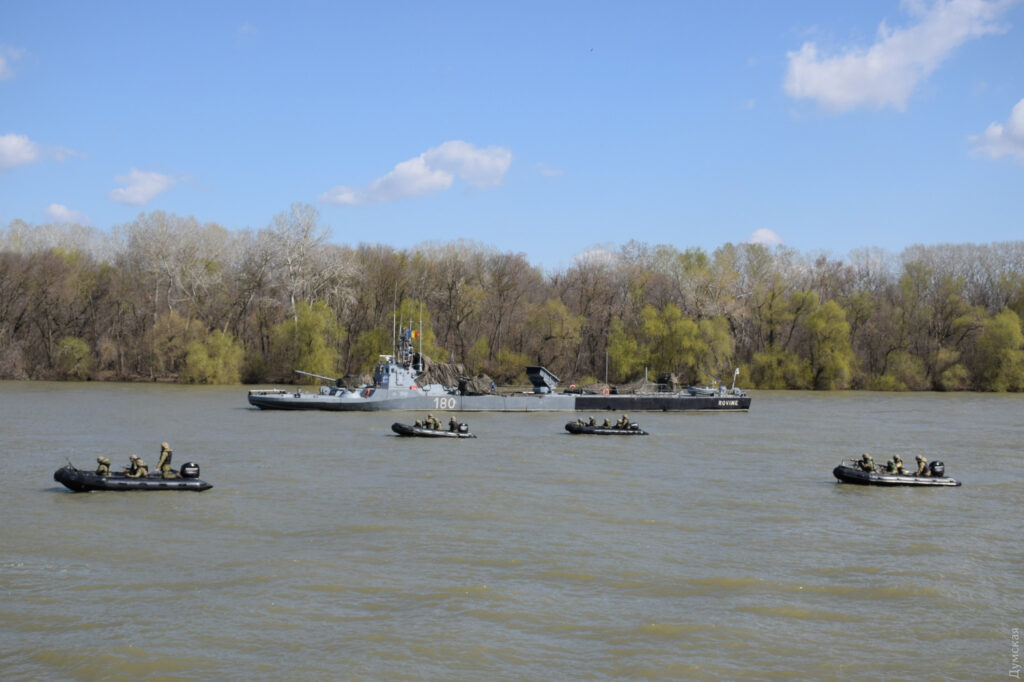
(463, 428)
(937, 468)
(189, 470)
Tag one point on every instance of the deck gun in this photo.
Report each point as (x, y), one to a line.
(319, 376)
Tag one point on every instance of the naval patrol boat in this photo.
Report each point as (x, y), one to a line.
(396, 386)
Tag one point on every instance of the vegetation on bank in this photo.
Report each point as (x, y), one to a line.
(168, 298)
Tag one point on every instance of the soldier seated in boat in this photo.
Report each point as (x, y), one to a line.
(419, 423)
(867, 464)
(137, 468)
(607, 424)
(591, 422)
(164, 465)
(452, 424)
(922, 466)
(895, 466)
(623, 422)
(104, 466)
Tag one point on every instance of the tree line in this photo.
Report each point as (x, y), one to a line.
(168, 298)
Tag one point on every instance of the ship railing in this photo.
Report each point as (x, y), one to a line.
(267, 391)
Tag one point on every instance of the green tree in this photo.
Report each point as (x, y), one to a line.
(477, 356)
(718, 344)
(999, 360)
(309, 342)
(775, 368)
(673, 341)
(625, 359)
(509, 366)
(217, 359)
(368, 347)
(830, 354)
(74, 359)
(168, 342)
(557, 332)
(904, 372)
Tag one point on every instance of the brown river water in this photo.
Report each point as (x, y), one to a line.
(718, 547)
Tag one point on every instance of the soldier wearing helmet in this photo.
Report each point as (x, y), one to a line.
(922, 466)
(895, 466)
(137, 468)
(866, 463)
(164, 465)
(104, 466)
(898, 461)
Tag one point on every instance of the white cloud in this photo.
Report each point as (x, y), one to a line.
(62, 214)
(886, 73)
(1001, 140)
(7, 56)
(63, 153)
(140, 187)
(549, 172)
(432, 171)
(766, 237)
(16, 150)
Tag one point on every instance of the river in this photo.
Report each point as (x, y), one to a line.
(718, 547)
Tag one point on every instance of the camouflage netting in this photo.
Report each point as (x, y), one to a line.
(666, 382)
(444, 373)
(671, 381)
(481, 384)
(637, 386)
(354, 382)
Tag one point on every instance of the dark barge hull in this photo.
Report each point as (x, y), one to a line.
(847, 474)
(573, 427)
(82, 481)
(419, 431)
(653, 402)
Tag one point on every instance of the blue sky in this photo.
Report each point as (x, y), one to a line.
(545, 128)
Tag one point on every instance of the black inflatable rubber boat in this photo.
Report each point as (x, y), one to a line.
(81, 480)
(462, 431)
(849, 472)
(633, 430)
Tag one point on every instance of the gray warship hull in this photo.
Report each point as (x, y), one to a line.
(424, 400)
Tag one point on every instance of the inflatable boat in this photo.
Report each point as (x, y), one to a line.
(82, 481)
(849, 472)
(633, 430)
(410, 430)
